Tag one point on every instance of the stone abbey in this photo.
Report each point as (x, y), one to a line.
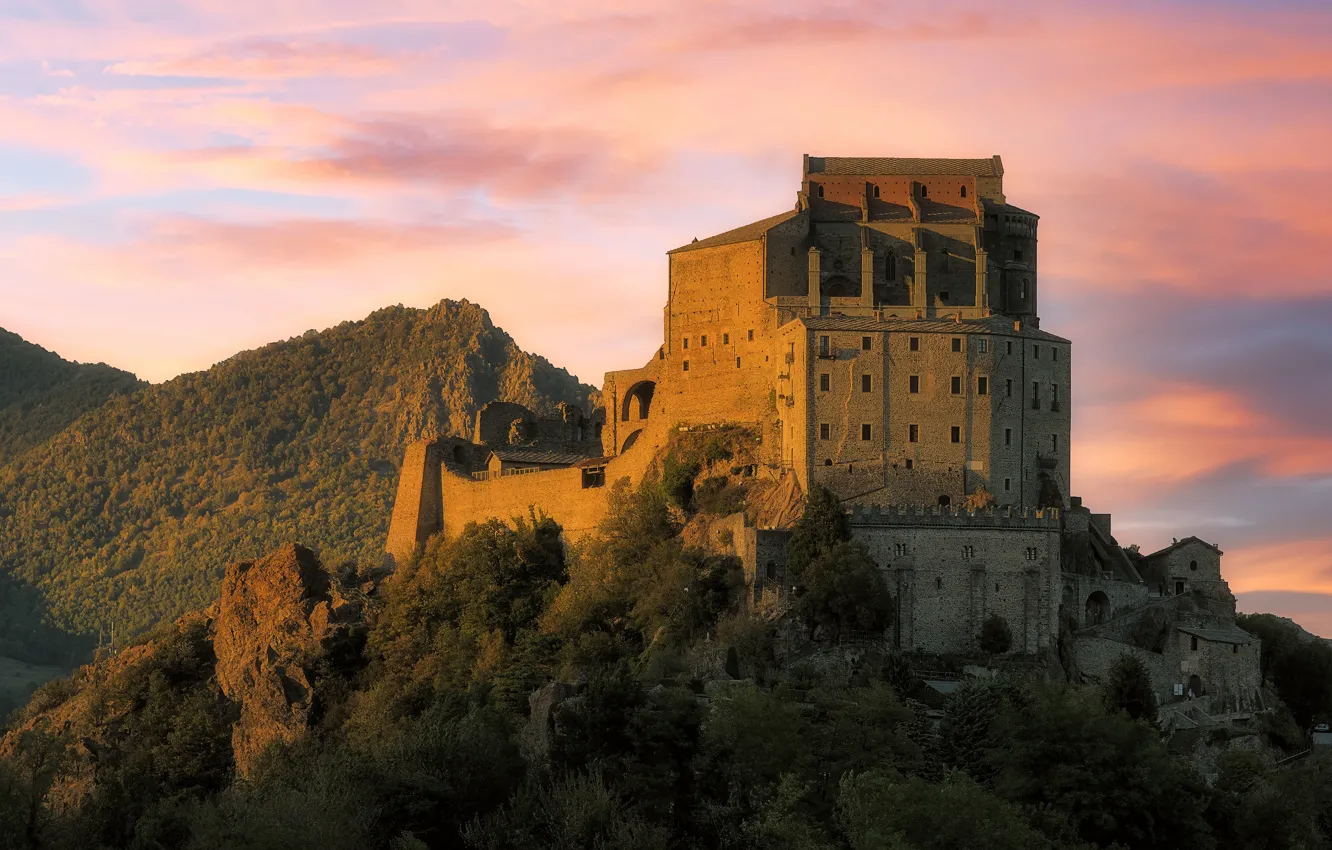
(882, 339)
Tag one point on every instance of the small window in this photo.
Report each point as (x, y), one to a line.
(726, 339)
(824, 381)
(983, 346)
(1035, 395)
(866, 383)
(1008, 387)
(1010, 346)
(1054, 442)
(1193, 642)
(685, 344)
(913, 384)
(1017, 255)
(824, 430)
(957, 433)
(771, 569)
(924, 191)
(737, 362)
(982, 385)
(686, 366)
(1234, 649)
(1036, 351)
(866, 432)
(968, 551)
(957, 343)
(1024, 289)
(1008, 436)
(913, 433)
(914, 343)
(899, 549)
(1054, 354)
(1193, 565)
(823, 346)
(1054, 397)
(938, 584)
(910, 464)
(703, 341)
(890, 266)
(751, 336)
(876, 191)
(943, 296)
(957, 385)
(866, 343)
(964, 191)
(1008, 484)
(820, 191)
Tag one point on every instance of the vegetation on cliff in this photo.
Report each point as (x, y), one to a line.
(127, 517)
(503, 691)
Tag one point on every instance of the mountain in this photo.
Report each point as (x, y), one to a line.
(128, 517)
(41, 393)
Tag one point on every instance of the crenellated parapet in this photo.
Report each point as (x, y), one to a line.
(1006, 516)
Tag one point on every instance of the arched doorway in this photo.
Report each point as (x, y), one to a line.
(945, 501)
(638, 401)
(1195, 687)
(459, 456)
(1098, 608)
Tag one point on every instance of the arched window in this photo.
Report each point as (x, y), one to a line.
(945, 501)
(876, 191)
(1193, 565)
(964, 191)
(924, 191)
(820, 191)
(1024, 289)
(890, 266)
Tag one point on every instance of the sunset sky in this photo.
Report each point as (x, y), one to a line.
(183, 179)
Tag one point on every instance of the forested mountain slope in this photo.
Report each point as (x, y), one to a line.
(42, 393)
(129, 516)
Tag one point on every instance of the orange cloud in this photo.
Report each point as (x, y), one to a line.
(1297, 565)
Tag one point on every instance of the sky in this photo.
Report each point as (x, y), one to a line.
(184, 179)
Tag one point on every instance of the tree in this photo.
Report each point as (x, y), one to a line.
(966, 738)
(820, 528)
(995, 636)
(1128, 688)
(1303, 679)
(844, 589)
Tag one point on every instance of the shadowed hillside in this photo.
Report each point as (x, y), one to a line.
(41, 393)
(128, 517)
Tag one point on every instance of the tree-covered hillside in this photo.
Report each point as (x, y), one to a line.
(129, 516)
(41, 393)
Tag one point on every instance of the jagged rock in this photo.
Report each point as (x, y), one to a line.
(541, 722)
(277, 618)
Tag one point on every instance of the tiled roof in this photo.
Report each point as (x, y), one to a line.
(882, 166)
(997, 325)
(1178, 543)
(1223, 634)
(748, 233)
(538, 456)
(992, 207)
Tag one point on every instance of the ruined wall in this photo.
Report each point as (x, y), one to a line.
(416, 510)
(1230, 674)
(557, 493)
(1122, 597)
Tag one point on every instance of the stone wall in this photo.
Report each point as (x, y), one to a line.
(1119, 596)
(416, 510)
(1229, 674)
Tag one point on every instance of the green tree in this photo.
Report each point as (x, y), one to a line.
(844, 589)
(1128, 688)
(967, 740)
(995, 636)
(821, 527)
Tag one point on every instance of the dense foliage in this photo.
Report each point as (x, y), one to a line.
(428, 743)
(42, 393)
(129, 516)
(1297, 664)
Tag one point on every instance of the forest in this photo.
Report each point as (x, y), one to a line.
(507, 692)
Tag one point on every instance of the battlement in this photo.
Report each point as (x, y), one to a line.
(956, 517)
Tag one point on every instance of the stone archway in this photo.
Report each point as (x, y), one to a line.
(1195, 686)
(638, 401)
(630, 440)
(1098, 608)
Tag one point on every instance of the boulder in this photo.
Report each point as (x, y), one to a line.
(277, 618)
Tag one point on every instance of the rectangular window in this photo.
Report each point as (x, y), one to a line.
(823, 430)
(823, 346)
(685, 346)
(866, 343)
(1008, 484)
(1008, 436)
(751, 336)
(737, 362)
(957, 343)
(703, 341)
(982, 385)
(824, 382)
(866, 431)
(726, 339)
(1010, 346)
(983, 346)
(686, 365)
(1054, 354)
(957, 433)
(914, 343)
(957, 385)
(910, 463)
(913, 433)
(913, 384)
(866, 382)
(1036, 349)
(1017, 255)
(1008, 387)
(1054, 397)
(1054, 442)
(1035, 395)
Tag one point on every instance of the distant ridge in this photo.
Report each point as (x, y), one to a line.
(128, 517)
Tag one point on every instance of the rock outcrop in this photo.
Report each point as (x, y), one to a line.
(278, 618)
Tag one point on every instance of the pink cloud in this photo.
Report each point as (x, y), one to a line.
(264, 58)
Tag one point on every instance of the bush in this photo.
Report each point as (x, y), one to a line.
(996, 637)
(1128, 688)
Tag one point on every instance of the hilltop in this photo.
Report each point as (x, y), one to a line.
(127, 517)
(41, 393)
